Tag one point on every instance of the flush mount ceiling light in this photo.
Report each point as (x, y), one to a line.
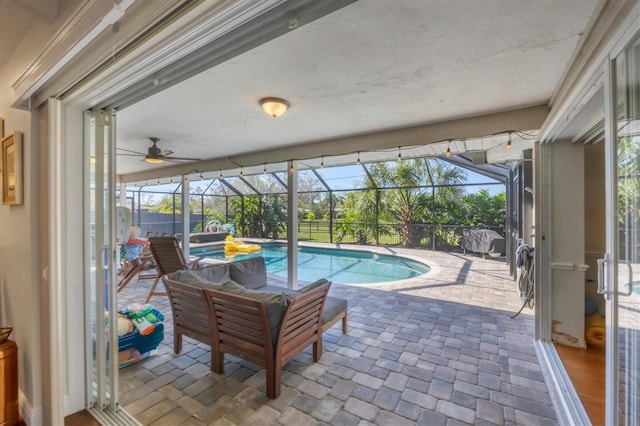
(275, 107)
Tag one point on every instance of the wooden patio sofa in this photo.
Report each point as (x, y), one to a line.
(231, 308)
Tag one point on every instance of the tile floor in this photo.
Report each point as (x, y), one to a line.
(436, 350)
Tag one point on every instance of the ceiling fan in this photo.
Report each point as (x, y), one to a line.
(155, 155)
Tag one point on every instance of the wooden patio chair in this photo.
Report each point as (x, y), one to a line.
(168, 258)
(241, 326)
(133, 267)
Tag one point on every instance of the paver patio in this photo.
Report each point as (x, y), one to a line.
(436, 350)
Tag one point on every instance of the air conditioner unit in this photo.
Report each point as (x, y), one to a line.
(478, 157)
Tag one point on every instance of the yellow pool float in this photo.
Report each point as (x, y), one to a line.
(235, 246)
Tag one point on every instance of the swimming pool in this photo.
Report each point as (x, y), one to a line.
(337, 265)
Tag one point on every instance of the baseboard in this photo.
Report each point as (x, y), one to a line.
(566, 401)
(30, 415)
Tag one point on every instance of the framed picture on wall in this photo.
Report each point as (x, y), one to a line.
(12, 169)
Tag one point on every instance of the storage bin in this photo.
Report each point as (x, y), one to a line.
(134, 347)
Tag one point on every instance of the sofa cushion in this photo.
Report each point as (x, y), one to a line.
(314, 285)
(205, 277)
(250, 273)
(332, 307)
(275, 304)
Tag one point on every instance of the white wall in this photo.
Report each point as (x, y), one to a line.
(594, 207)
(567, 243)
(23, 245)
(20, 282)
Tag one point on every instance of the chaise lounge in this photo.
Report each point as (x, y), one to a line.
(231, 307)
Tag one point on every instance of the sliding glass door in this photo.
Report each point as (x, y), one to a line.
(101, 260)
(623, 240)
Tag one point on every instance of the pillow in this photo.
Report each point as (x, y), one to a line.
(217, 273)
(212, 277)
(250, 273)
(275, 304)
(314, 285)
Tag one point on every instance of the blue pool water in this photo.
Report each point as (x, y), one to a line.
(340, 266)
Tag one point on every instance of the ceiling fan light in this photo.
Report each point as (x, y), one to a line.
(153, 160)
(275, 107)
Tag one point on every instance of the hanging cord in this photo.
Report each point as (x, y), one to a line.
(525, 260)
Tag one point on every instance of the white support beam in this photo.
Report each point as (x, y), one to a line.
(292, 224)
(186, 218)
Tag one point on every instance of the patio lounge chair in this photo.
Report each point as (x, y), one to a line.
(168, 258)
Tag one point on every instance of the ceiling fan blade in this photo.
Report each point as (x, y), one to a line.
(183, 158)
(165, 153)
(128, 150)
(130, 155)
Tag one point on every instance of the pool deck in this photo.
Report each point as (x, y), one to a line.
(439, 349)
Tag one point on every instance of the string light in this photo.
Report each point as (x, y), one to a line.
(358, 159)
(265, 169)
(291, 169)
(399, 155)
(170, 180)
(322, 162)
(509, 143)
(241, 173)
(201, 177)
(221, 177)
(449, 149)
(158, 181)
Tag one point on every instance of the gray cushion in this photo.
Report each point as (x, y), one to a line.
(276, 289)
(332, 307)
(314, 284)
(205, 277)
(249, 273)
(275, 304)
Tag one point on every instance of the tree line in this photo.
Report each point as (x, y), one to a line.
(419, 199)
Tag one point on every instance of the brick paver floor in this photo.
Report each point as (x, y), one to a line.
(436, 350)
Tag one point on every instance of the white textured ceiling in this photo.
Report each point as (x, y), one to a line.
(371, 66)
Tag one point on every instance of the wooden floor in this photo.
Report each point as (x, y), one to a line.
(586, 368)
(81, 418)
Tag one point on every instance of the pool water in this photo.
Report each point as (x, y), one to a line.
(340, 266)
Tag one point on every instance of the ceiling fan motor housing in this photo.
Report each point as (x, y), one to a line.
(154, 151)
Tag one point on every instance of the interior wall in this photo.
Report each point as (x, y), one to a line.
(20, 282)
(23, 246)
(595, 216)
(567, 243)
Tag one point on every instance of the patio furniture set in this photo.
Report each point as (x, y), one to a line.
(231, 307)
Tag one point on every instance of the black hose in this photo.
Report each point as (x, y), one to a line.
(526, 282)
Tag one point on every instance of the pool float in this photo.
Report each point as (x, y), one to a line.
(232, 246)
(217, 226)
(213, 226)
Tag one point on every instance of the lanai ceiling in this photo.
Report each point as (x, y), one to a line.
(368, 67)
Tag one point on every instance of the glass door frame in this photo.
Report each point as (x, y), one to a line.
(100, 260)
(609, 266)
